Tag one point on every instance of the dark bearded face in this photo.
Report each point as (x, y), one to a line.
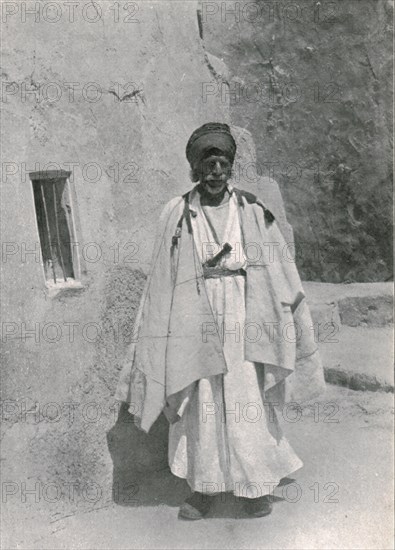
(214, 171)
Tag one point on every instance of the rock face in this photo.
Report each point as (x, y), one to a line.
(311, 82)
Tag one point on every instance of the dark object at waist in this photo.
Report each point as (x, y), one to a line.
(216, 272)
(214, 261)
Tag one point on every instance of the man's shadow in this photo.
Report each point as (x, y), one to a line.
(141, 475)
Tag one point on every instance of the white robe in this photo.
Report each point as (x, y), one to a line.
(228, 438)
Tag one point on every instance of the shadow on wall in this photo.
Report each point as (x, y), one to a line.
(141, 476)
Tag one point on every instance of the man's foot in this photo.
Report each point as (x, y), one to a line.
(258, 507)
(196, 506)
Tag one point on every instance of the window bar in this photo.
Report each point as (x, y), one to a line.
(48, 230)
(69, 217)
(57, 232)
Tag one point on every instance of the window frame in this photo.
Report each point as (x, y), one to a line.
(71, 283)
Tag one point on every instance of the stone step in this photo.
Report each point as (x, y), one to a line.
(354, 322)
(356, 304)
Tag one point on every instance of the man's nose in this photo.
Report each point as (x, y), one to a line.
(217, 168)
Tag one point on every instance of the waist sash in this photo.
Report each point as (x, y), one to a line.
(216, 272)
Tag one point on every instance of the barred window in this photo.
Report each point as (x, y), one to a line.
(52, 201)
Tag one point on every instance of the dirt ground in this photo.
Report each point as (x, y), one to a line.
(341, 498)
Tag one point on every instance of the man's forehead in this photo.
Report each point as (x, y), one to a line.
(215, 156)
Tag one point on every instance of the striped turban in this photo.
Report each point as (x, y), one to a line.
(213, 135)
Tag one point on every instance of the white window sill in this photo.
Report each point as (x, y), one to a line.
(62, 286)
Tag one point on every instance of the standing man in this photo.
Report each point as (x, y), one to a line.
(224, 334)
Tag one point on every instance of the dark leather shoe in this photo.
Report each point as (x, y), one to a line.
(195, 507)
(258, 507)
